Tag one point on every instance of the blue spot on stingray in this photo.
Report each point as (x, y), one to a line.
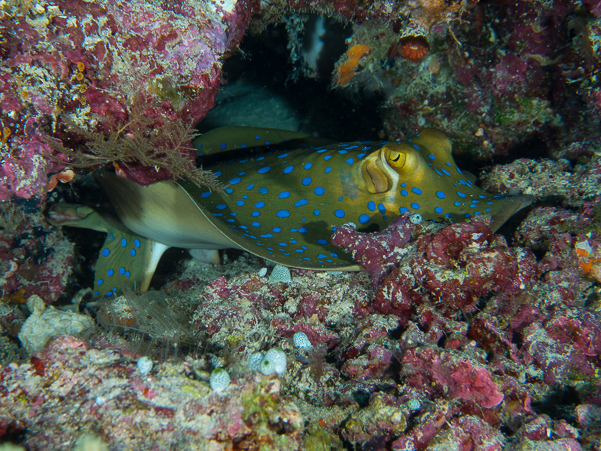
(300, 251)
(284, 195)
(460, 194)
(333, 254)
(105, 252)
(243, 227)
(416, 191)
(235, 181)
(303, 230)
(361, 155)
(257, 137)
(476, 212)
(327, 157)
(109, 294)
(438, 172)
(132, 252)
(342, 152)
(284, 155)
(251, 186)
(217, 173)
(416, 146)
(99, 282)
(233, 214)
(221, 206)
(462, 182)
(263, 190)
(448, 164)
(457, 204)
(351, 147)
(440, 194)
(293, 241)
(340, 198)
(446, 172)
(382, 208)
(259, 158)
(216, 214)
(111, 236)
(122, 270)
(319, 191)
(308, 165)
(230, 220)
(322, 241)
(205, 194)
(404, 192)
(404, 184)
(241, 173)
(339, 213)
(350, 160)
(260, 204)
(371, 205)
(123, 242)
(137, 243)
(256, 213)
(328, 170)
(110, 272)
(229, 190)
(240, 203)
(316, 212)
(98, 292)
(223, 146)
(301, 202)
(321, 256)
(459, 170)
(403, 210)
(467, 215)
(438, 209)
(431, 157)
(255, 224)
(288, 169)
(283, 244)
(243, 161)
(293, 230)
(264, 170)
(276, 230)
(283, 214)
(363, 219)
(415, 205)
(487, 209)
(307, 181)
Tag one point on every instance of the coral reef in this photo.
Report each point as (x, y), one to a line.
(453, 336)
(67, 62)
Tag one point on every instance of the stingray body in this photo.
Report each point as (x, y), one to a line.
(284, 205)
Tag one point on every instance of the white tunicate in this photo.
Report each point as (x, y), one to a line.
(262, 272)
(301, 340)
(219, 380)
(144, 365)
(280, 274)
(277, 357)
(413, 404)
(267, 367)
(415, 218)
(254, 360)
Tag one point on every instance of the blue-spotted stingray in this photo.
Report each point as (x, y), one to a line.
(282, 205)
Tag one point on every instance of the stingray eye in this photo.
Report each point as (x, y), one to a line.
(396, 159)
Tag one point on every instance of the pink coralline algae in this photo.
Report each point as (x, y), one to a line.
(450, 268)
(79, 62)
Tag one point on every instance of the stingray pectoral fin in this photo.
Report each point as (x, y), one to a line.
(510, 206)
(126, 259)
(236, 137)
